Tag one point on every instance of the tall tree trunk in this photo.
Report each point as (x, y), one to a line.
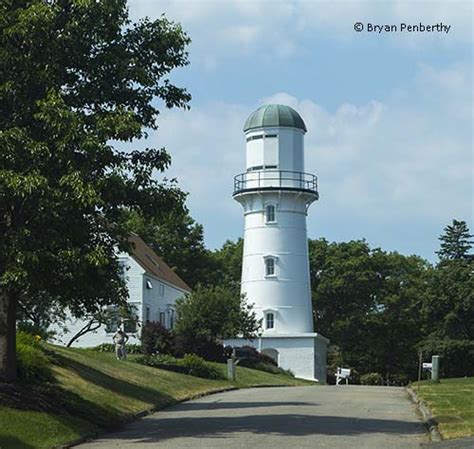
(8, 304)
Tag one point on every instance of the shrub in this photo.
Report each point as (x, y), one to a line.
(156, 339)
(398, 379)
(34, 365)
(371, 379)
(110, 347)
(203, 347)
(190, 364)
(157, 360)
(197, 366)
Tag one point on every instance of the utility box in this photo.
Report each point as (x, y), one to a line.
(435, 368)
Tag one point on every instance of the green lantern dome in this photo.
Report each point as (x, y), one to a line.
(272, 115)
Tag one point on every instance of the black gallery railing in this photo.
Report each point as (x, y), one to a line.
(275, 179)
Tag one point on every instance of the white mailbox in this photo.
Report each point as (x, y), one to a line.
(343, 373)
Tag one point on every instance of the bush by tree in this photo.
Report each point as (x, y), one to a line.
(156, 339)
(211, 314)
(34, 366)
(371, 379)
(190, 364)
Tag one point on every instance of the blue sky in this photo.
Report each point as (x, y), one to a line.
(389, 116)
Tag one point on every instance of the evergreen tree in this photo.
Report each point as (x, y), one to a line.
(456, 241)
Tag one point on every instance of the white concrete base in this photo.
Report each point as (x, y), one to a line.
(303, 354)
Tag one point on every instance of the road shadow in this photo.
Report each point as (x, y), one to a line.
(192, 406)
(155, 429)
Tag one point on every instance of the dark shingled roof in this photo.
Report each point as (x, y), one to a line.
(154, 264)
(271, 115)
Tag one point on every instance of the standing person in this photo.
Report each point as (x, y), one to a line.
(120, 339)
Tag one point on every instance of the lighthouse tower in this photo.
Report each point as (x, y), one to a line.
(275, 193)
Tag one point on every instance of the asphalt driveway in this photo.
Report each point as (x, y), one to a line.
(346, 417)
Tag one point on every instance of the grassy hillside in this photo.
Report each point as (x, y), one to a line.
(452, 404)
(94, 392)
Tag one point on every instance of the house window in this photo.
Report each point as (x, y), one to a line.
(149, 285)
(171, 319)
(162, 318)
(270, 320)
(162, 290)
(147, 314)
(130, 325)
(112, 322)
(270, 213)
(270, 266)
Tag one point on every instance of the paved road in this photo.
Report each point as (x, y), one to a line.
(352, 417)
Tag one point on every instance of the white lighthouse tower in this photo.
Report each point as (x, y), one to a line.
(275, 193)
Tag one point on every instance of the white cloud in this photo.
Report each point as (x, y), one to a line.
(282, 28)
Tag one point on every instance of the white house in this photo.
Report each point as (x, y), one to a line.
(275, 193)
(153, 290)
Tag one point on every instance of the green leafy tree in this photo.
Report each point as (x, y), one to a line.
(211, 314)
(76, 75)
(456, 242)
(176, 237)
(367, 302)
(227, 265)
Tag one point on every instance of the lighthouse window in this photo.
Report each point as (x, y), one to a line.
(268, 136)
(270, 267)
(270, 213)
(254, 137)
(270, 321)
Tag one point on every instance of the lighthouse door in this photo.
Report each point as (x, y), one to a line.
(273, 353)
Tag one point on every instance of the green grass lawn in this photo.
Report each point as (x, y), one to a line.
(94, 391)
(452, 404)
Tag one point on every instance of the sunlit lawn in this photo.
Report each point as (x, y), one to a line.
(94, 391)
(452, 404)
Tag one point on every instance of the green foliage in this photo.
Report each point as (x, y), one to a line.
(367, 302)
(156, 339)
(110, 347)
(371, 379)
(457, 356)
(34, 366)
(75, 77)
(398, 379)
(227, 268)
(190, 364)
(448, 307)
(456, 242)
(176, 237)
(198, 367)
(215, 313)
(30, 328)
